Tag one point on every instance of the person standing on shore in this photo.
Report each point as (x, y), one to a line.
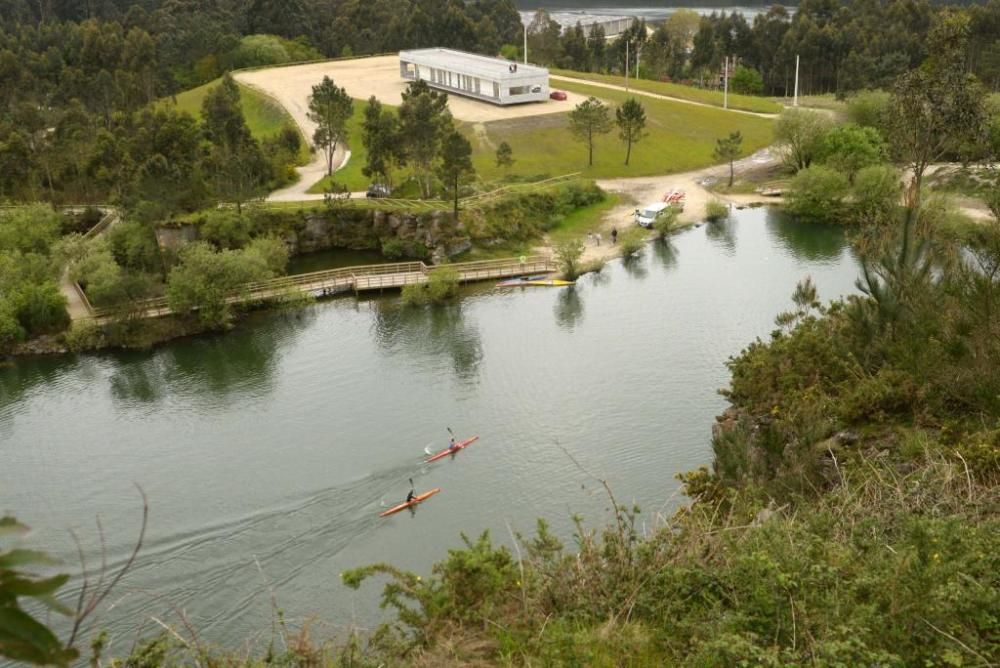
(597, 237)
(614, 235)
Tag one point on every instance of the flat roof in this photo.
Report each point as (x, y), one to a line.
(471, 63)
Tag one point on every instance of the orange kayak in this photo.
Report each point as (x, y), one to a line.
(409, 504)
(461, 445)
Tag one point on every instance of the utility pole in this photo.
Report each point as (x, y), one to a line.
(725, 84)
(525, 43)
(796, 102)
(626, 65)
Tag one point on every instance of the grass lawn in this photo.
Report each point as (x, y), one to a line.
(584, 220)
(264, 116)
(681, 138)
(713, 97)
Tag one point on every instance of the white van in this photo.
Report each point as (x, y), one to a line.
(645, 217)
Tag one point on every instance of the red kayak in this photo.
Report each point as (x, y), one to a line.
(461, 445)
(409, 504)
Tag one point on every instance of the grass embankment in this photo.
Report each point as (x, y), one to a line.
(681, 138)
(265, 117)
(701, 95)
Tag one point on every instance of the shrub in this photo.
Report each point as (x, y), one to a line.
(666, 222)
(817, 194)
(31, 229)
(441, 287)
(876, 192)
(568, 254)
(631, 241)
(850, 147)
(748, 81)
(134, 246)
(716, 210)
(225, 228)
(800, 133)
(868, 108)
(84, 335)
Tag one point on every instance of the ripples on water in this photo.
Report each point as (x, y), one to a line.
(279, 443)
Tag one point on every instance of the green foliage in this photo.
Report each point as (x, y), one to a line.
(631, 241)
(869, 108)
(134, 246)
(587, 121)
(817, 194)
(397, 249)
(716, 210)
(876, 192)
(729, 149)
(849, 148)
(441, 287)
(505, 155)
(526, 216)
(456, 164)
(330, 107)
(204, 278)
(32, 229)
(424, 120)
(568, 254)
(666, 222)
(631, 120)
(226, 228)
(380, 137)
(747, 80)
(22, 637)
(261, 50)
(800, 134)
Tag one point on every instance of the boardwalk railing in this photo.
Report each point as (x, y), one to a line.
(357, 279)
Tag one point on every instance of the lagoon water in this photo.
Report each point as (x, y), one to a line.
(267, 452)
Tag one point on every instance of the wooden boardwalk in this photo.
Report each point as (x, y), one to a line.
(365, 278)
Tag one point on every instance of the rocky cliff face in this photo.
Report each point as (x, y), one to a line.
(433, 235)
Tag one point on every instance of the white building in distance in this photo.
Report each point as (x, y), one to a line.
(493, 80)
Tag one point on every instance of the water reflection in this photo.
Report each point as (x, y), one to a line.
(635, 265)
(814, 242)
(665, 253)
(431, 331)
(223, 368)
(722, 233)
(569, 308)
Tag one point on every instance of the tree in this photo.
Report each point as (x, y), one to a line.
(222, 115)
(729, 149)
(568, 254)
(380, 137)
(937, 108)
(505, 155)
(817, 194)
(589, 119)
(456, 163)
(424, 119)
(631, 119)
(235, 160)
(330, 108)
(875, 195)
(849, 148)
(800, 133)
(747, 80)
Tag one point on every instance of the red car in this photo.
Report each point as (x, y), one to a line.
(557, 95)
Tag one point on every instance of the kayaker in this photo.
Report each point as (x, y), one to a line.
(452, 445)
(410, 496)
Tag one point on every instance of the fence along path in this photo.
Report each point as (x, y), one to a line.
(356, 279)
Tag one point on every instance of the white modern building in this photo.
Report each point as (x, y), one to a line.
(493, 80)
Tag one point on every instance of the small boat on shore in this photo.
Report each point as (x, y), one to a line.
(539, 280)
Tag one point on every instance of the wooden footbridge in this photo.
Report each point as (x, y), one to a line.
(364, 278)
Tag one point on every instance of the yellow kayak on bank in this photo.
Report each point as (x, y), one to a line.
(551, 282)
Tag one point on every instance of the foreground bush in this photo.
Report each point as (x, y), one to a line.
(716, 210)
(631, 241)
(441, 287)
(817, 194)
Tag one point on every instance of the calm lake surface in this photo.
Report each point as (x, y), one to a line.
(279, 443)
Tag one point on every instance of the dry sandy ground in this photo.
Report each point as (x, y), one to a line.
(638, 192)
